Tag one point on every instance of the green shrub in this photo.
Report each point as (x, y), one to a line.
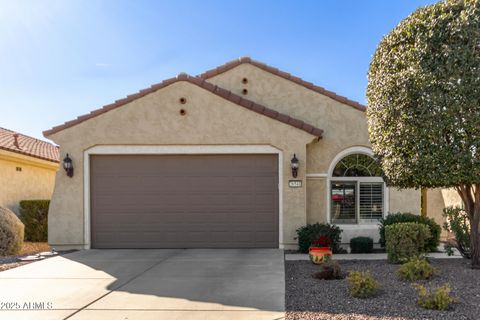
(362, 284)
(34, 215)
(312, 232)
(435, 229)
(458, 223)
(416, 269)
(330, 270)
(405, 241)
(440, 299)
(361, 245)
(11, 233)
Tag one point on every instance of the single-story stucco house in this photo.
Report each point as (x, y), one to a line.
(27, 168)
(211, 161)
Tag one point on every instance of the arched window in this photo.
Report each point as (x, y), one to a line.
(357, 190)
(357, 165)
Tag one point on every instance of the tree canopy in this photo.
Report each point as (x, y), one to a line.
(424, 97)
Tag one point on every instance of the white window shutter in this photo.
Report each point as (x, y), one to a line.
(371, 200)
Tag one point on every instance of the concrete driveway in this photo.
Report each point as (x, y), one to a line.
(148, 284)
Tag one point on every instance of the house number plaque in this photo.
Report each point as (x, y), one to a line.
(295, 183)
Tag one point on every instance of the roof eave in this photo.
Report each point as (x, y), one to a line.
(29, 154)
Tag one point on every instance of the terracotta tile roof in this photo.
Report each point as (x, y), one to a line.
(20, 143)
(205, 85)
(232, 64)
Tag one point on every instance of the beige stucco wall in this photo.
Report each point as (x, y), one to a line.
(408, 200)
(437, 200)
(345, 127)
(35, 180)
(316, 200)
(155, 120)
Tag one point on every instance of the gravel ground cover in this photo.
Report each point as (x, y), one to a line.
(308, 298)
(6, 264)
(28, 248)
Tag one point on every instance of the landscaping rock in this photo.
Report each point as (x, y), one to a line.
(309, 298)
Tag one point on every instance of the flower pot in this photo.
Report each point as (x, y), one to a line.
(319, 255)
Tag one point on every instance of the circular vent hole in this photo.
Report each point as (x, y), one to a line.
(245, 80)
(183, 112)
(245, 91)
(183, 100)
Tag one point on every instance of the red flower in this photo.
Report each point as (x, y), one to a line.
(323, 241)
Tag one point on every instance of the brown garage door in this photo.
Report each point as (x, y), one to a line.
(184, 201)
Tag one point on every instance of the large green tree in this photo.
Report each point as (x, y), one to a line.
(424, 104)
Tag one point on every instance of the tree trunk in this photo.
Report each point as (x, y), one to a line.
(470, 195)
(424, 201)
(475, 237)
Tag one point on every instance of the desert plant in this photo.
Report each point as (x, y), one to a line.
(330, 270)
(416, 269)
(11, 233)
(423, 111)
(314, 232)
(457, 222)
(392, 218)
(361, 245)
(34, 215)
(362, 284)
(439, 299)
(405, 241)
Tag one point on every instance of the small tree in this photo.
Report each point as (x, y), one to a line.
(424, 104)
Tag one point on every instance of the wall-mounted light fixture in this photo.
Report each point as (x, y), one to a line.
(68, 165)
(294, 163)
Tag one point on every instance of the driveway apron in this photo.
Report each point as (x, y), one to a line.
(148, 284)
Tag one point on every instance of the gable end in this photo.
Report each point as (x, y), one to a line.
(285, 75)
(255, 107)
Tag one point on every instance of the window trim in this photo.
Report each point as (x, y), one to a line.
(330, 179)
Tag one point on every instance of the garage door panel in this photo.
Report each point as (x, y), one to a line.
(149, 233)
(184, 201)
(197, 217)
(193, 239)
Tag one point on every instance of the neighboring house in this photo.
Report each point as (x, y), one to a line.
(27, 168)
(206, 162)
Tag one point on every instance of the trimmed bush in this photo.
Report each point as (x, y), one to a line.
(361, 245)
(435, 229)
(439, 299)
(34, 215)
(313, 232)
(458, 223)
(331, 270)
(416, 269)
(11, 233)
(362, 284)
(405, 241)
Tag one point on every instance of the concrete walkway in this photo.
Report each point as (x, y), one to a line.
(366, 256)
(148, 284)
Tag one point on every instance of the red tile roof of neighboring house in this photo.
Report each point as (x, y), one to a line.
(255, 107)
(20, 143)
(232, 64)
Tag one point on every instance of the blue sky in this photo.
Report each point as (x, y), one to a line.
(61, 59)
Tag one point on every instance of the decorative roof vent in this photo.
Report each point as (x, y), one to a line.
(15, 140)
